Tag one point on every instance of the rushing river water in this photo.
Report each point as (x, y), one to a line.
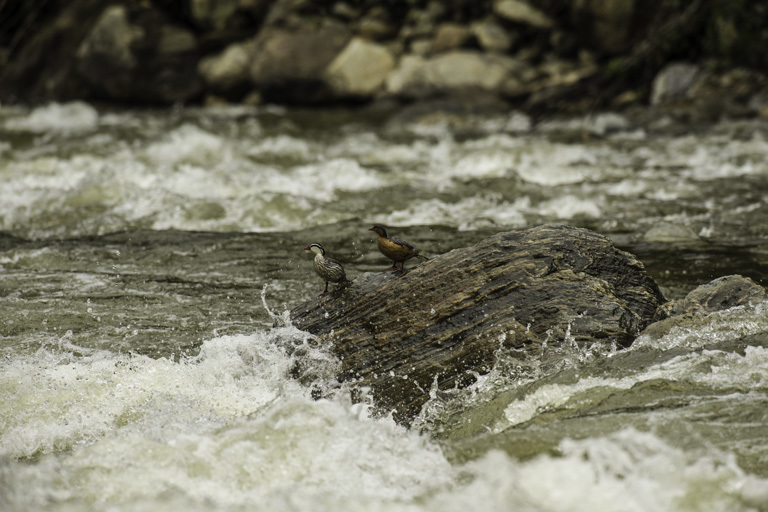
(145, 255)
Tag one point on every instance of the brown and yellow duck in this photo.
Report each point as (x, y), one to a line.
(395, 249)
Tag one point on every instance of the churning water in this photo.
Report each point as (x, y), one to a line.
(145, 256)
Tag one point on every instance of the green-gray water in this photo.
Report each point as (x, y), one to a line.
(145, 256)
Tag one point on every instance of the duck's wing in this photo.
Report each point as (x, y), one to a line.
(403, 243)
(335, 268)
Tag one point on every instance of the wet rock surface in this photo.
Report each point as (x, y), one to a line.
(718, 295)
(441, 322)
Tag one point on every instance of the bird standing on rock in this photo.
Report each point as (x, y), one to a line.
(328, 269)
(395, 249)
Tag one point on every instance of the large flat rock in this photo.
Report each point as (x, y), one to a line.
(442, 321)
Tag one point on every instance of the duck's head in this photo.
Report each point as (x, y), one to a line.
(379, 230)
(315, 248)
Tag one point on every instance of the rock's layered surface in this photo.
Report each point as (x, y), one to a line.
(442, 322)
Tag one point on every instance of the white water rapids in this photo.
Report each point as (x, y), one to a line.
(130, 382)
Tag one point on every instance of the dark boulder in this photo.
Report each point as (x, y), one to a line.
(442, 321)
(139, 55)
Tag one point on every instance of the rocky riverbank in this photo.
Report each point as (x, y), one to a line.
(575, 56)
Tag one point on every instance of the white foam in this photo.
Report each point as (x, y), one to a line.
(551, 397)
(469, 213)
(283, 145)
(570, 206)
(716, 369)
(733, 323)
(76, 116)
(556, 164)
(748, 371)
(599, 124)
(61, 400)
(712, 157)
(211, 175)
(326, 179)
(518, 122)
(312, 452)
(483, 165)
(228, 428)
(629, 471)
(628, 187)
(189, 144)
(489, 209)
(293, 461)
(370, 149)
(38, 187)
(191, 179)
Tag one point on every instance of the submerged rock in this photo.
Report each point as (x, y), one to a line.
(441, 323)
(717, 295)
(691, 311)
